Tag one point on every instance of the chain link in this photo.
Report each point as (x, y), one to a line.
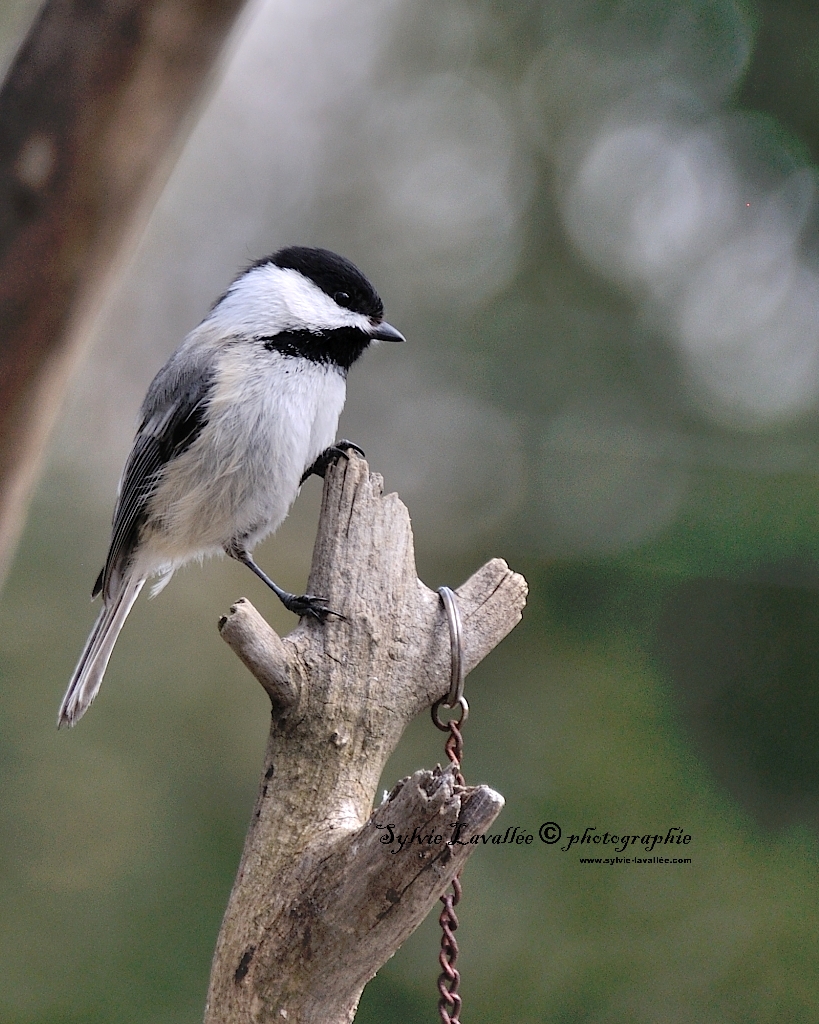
(454, 748)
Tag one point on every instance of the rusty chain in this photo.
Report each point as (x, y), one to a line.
(449, 1002)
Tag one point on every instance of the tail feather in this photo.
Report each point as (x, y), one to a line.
(85, 682)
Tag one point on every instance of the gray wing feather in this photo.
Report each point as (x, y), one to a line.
(172, 417)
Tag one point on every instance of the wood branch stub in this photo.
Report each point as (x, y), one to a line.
(91, 109)
(320, 903)
(263, 652)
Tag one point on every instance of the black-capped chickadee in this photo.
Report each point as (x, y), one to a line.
(240, 415)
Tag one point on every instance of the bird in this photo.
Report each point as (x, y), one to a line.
(241, 414)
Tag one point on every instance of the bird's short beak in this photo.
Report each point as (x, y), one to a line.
(385, 332)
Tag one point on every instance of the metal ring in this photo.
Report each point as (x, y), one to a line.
(444, 726)
(456, 685)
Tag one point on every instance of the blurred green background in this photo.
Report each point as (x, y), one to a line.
(596, 224)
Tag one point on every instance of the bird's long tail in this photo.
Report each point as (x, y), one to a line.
(94, 659)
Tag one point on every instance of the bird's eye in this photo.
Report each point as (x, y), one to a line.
(342, 298)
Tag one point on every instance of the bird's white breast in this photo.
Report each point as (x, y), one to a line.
(269, 416)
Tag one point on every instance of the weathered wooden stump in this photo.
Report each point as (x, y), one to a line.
(319, 902)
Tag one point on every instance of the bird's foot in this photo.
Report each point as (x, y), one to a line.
(329, 457)
(309, 606)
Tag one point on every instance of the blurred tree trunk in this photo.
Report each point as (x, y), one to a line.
(91, 113)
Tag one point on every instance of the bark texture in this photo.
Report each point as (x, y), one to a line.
(321, 901)
(90, 112)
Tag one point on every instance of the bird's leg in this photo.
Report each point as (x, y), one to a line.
(305, 604)
(330, 456)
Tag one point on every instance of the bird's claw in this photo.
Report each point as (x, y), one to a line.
(329, 457)
(309, 606)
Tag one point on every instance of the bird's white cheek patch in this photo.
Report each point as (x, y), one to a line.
(269, 300)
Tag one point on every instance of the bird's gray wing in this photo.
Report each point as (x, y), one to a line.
(172, 417)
